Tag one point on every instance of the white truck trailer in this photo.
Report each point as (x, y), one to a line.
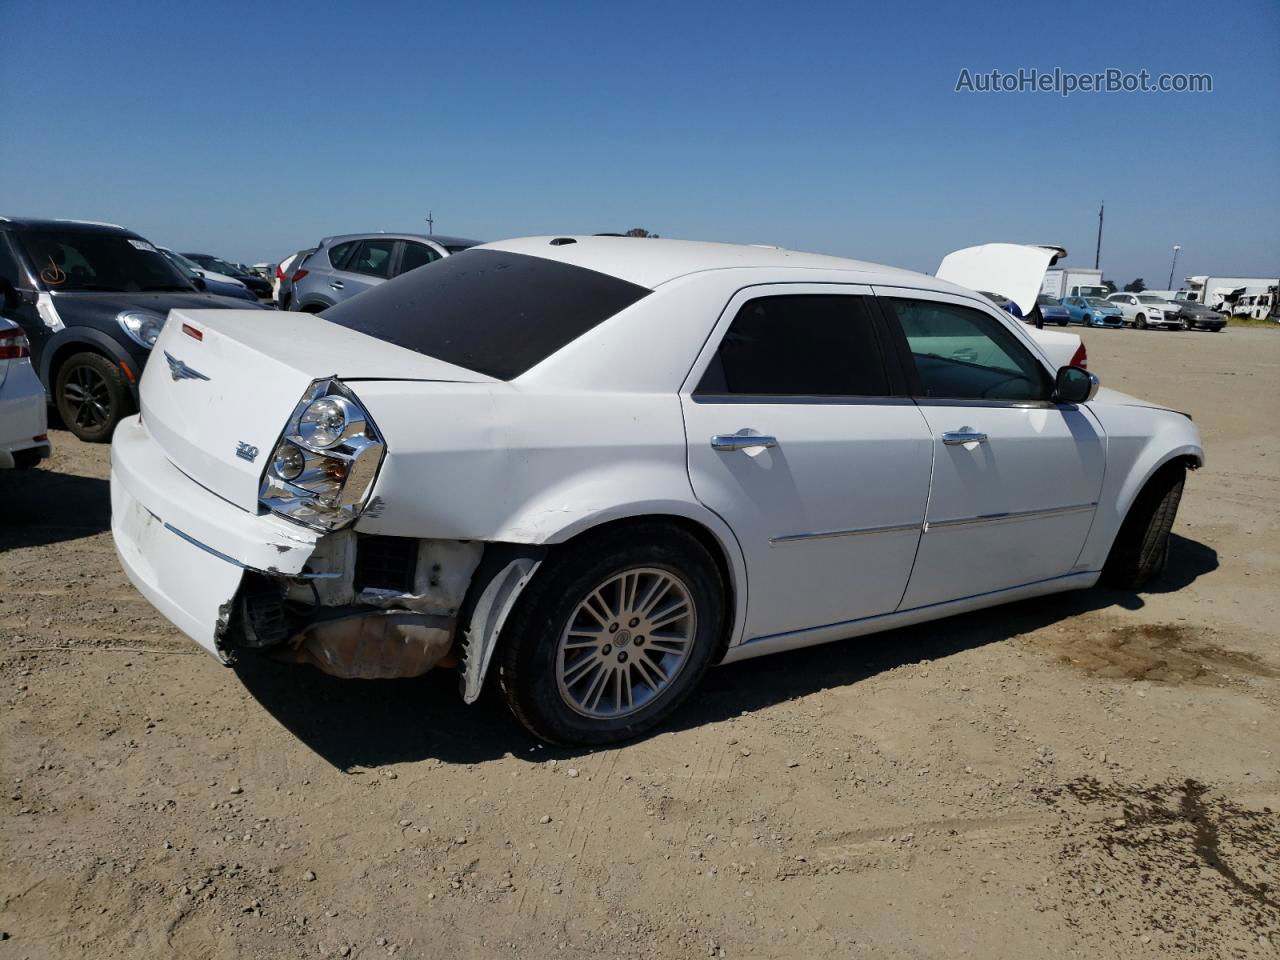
(1073, 282)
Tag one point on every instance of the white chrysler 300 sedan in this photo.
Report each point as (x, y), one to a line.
(599, 465)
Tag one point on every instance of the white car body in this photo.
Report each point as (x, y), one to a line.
(24, 424)
(1148, 310)
(859, 518)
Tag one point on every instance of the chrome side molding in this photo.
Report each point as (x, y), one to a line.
(860, 532)
(1010, 516)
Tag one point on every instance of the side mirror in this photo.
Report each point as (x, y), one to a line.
(1074, 385)
(198, 282)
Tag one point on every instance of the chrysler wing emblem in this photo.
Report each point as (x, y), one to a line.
(180, 371)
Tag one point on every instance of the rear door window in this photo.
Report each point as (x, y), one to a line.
(801, 345)
(416, 255)
(372, 258)
(494, 312)
(339, 253)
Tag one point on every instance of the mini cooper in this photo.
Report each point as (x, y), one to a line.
(592, 467)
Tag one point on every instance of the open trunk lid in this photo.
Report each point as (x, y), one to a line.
(221, 385)
(1013, 270)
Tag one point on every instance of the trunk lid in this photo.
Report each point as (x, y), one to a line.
(221, 384)
(1013, 270)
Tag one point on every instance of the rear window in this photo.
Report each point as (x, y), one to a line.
(493, 312)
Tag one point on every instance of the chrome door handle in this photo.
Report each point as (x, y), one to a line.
(336, 284)
(963, 435)
(739, 441)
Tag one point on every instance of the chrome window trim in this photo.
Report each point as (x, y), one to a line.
(860, 532)
(797, 398)
(1010, 516)
(1006, 404)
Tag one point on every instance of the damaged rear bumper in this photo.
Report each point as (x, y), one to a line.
(350, 605)
(186, 549)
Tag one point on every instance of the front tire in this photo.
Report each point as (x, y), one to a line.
(1141, 548)
(613, 635)
(1140, 321)
(91, 396)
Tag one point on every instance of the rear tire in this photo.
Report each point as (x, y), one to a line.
(1141, 548)
(91, 396)
(574, 675)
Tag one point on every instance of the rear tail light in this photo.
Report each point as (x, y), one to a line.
(14, 344)
(297, 275)
(1080, 358)
(325, 461)
(279, 273)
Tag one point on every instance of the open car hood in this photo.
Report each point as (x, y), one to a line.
(1014, 270)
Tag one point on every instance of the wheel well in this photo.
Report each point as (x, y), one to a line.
(313, 307)
(1184, 462)
(700, 533)
(63, 354)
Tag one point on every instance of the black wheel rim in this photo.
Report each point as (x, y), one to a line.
(88, 399)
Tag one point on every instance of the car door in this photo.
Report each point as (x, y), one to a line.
(1016, 477)
(368, 265)
(797, 440)
(1128, 306)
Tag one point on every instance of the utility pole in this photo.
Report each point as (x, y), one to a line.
(431, 223)
(1097, 255)
(1173, 266)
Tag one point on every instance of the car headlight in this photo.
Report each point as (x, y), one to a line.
(325, 462)
(142, 326)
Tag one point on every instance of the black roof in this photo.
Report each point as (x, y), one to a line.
(80, 226)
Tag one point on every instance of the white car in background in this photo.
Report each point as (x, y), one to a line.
(606, 464)
(24, 437)
(1147, 310)
(202, 271)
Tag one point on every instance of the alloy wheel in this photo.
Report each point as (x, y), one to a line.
(88, 397)
(625, 643)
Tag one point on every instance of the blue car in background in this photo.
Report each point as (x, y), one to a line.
(1052, 310)
(1093, 312)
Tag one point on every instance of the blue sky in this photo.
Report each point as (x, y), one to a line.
(249, 130)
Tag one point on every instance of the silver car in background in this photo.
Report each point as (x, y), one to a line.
(344, 266)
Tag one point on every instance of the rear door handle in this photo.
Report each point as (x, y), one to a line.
(726, 442)
(963, 435)
(336, 284)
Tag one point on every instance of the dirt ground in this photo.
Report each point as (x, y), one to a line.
(1094, 774)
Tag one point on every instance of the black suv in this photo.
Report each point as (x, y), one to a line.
(92, 298)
